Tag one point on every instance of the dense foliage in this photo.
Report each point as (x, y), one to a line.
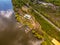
(19, 3)
(56, 2)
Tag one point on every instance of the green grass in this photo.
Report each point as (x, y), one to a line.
(48, 28)
(36, 34)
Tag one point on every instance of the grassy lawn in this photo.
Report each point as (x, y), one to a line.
(49, 29)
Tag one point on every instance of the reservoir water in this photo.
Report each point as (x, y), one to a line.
(5, 5)
(10, 34)
(7, 23)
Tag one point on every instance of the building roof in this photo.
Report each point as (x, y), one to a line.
(27, 16)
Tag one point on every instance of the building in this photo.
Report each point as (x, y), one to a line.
(27, 16)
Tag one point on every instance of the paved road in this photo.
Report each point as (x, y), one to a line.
(46, 19)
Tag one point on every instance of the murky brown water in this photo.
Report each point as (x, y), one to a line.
(10, 34)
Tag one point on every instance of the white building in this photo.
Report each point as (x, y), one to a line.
(27, 16)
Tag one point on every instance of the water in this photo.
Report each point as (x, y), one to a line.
(5, 5)
(10, 34)
(6, 8)
(8, 29)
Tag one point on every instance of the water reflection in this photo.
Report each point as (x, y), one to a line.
(7, 23)
(5, 5)
(9, 34)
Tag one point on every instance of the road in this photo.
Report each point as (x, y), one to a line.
(46, 19)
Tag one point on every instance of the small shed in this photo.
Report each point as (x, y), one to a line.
(27, 16)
